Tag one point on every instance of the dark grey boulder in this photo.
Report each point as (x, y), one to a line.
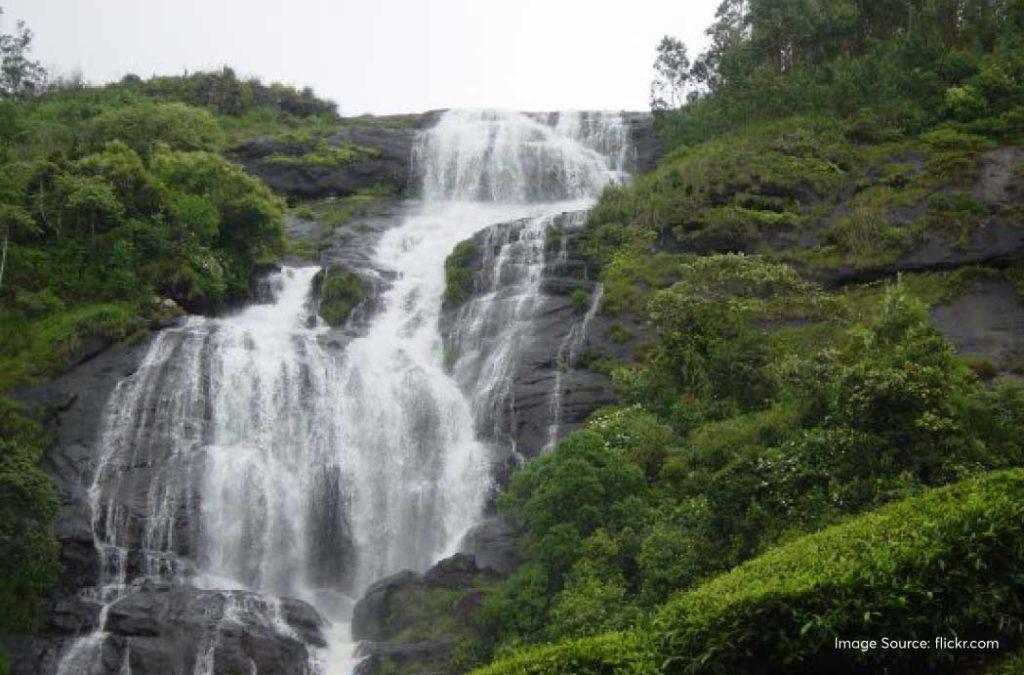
(375, 615)
(425, 657)
(494, 545)
(457, 571)
(986, 321)
(170, 630)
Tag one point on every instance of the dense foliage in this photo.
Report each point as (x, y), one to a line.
(225, 94)
(905, 63)
(943, 563)
(27, 507)
(730, 441)
(769, 395)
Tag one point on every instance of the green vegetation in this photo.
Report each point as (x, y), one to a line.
(946, 562)
(579, 299)
(898, 66)
(943, 563)
(609, 654)
(334, 211)
(734, 438)
(458, 275)
(117, 209)
(28, 504)
(773, 474)
(798, 190)
(341, 291)
(323, 154)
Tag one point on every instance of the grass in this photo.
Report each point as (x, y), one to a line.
(797, 189)
(37, 348)
(323, 154)
(334, 211)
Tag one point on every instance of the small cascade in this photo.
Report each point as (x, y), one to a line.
(566, 357)
(212, 472)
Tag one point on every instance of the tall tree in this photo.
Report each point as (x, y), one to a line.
(671, 74)
(13, 220)
(20, 77)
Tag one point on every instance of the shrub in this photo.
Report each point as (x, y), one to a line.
(609, 654)
(944, 563)
(341, 290)
(941, 564)
(964, 103)
(28, 503)
(579, 299)
(458, 275)
(571, 492)
(143, 126)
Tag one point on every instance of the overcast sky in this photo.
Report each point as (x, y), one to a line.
(380, 56)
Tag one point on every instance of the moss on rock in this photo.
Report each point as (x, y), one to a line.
(341, 290)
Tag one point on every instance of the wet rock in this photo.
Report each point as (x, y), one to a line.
(421, 658)
(494, 545)
(170, 630)
(387, 164)
(74, 615)
(996, 182)
(458, 571)
(73, 406)
(549, 394)
(376, 615)
(986, 321)
(648, 147)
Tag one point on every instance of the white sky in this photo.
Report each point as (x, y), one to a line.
(380, 56)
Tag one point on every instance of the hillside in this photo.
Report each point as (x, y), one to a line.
(790, 352)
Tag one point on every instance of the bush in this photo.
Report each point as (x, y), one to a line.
(458, 275)
(609, 654)
(579, 300)
(143, 126)
(566, 495)
(28, 503)
(341, 291)
(944, 563)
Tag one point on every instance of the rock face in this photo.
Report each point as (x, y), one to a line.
(544, 391)
(185, 630)
(411, 623)
(987, 321)
(388, 140)
(170, 630)
(377, 615)
(996, 238)
(73, 406)
(494, 545)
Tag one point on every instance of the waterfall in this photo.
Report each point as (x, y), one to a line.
(250, 458)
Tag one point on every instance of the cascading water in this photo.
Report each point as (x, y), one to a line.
(249, 460)
(552, 168)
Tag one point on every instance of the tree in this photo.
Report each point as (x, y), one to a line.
(92, 199)
(671, 74)
(13, 219)
(20, 77)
